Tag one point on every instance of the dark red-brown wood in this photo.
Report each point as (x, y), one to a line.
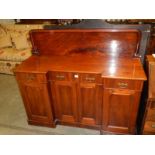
(90, 99)
(87, 78)
(64, 94)
(120, 106)
(34, 91)
(100, 42)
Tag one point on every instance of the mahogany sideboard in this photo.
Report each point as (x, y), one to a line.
(89, 78)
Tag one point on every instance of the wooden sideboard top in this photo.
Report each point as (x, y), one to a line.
(109, 67)
(112, 52)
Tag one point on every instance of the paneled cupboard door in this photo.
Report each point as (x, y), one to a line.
(77, 98)
(120, 110)
(90, 101)
(65, 101)
(37, 102)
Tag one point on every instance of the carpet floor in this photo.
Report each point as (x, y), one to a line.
(13, 119)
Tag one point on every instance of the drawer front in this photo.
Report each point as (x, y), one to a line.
(31, 77)
(90, 78)
(123, 84)
(149, 126)
(150, 115)
(59, 76)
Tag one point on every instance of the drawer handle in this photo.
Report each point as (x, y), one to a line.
(153, 125)
(90, 79)
(122, 85)
(30, 77)
(60, 77)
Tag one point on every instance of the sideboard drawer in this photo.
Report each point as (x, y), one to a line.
(31, 77)
(59, 76)
(90, 78)
(123, 84)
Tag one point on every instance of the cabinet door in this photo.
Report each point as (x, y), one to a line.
(120, 109)
(90, 100)
(37, 103)
(65, 101)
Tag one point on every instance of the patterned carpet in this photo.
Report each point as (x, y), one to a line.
(13, 116)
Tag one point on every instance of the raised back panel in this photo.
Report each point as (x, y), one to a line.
(106, 42)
